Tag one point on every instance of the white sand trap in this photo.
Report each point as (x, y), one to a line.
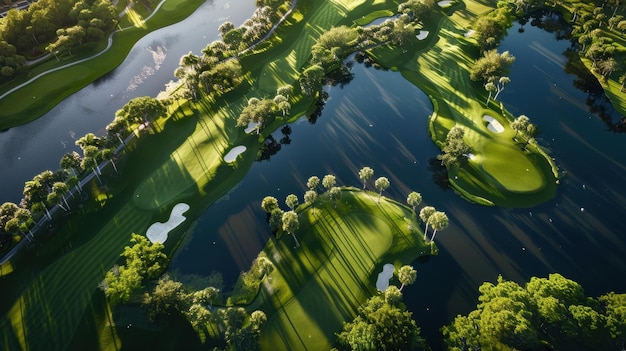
(469, 33)
(157, 233)
(444, 3)
(423, 34)
(382, 283)
(250, 128)
(233, 153)
(493, 125)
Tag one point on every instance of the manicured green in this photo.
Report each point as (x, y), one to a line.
(316, 288)
(443, 73)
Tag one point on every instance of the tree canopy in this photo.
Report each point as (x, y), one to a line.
(548, 312)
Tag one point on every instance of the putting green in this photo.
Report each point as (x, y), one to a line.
(511, 168)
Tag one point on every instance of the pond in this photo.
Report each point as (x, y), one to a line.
(379, 120)
(27, 150)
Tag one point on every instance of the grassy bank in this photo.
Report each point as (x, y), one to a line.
(317, 287)
(500, 172)
(35, 99)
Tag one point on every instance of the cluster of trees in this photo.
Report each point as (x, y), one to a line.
(11, 62)
(522, 126)
(288, 221)
(235, 328)
(218, 68)
(264, 110)
(551, 313)
(60, 188)
(492, 69)
(59, 25)
(455, 150)
(491, 28)
(382, 323)
(143, 260)
(248, 283)
(594, 27)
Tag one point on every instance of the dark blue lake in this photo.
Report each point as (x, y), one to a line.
(379, 120)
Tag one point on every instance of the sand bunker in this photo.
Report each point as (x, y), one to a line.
(444, 3)
(423, 34)
(233, 153)
(493, 125)
(469, 33)
(157, 233)
(251, 127)
(382, 283)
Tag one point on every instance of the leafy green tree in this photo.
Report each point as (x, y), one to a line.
(334, 194)
(312, 80)
(309, 197)
(168, 298)
(365, 174)
(276, 219)
(313, 182)
(425, 214)
(145, 257)
(329, 181)
(520, 124)
(290, 224)
(414, 199)
(454, 148)
(438, 221)
(406, 275)
(269, 204)
(381, 325)
(292, 201)
(491, 66)
(120, 283)
(381, 184)
(144, 109)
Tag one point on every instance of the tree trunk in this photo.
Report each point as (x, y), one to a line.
(433, 237)
(425, 230)
(114, 166)
(66, 204)
(296, 239)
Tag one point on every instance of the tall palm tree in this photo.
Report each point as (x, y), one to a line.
(309, 197)
(425, 214)
(57, 196)
(381, 184)
(313, 182)
(291, 201)
(365, 174)
(291, 224)
(519, 125)
(269, 203)
(438, 221)
(335, 194)
(406, 276)
(414, 199)
(329, 181)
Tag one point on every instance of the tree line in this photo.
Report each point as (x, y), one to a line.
(281, 221)
(140, 280)
(56, 25)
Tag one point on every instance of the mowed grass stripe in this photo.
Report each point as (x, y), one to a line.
(63, 291)
(341, 253)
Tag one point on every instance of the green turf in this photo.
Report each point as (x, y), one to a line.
(318, 287)
(443, 73)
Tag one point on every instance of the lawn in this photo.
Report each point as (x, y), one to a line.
(443, 73)
(317, 287)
